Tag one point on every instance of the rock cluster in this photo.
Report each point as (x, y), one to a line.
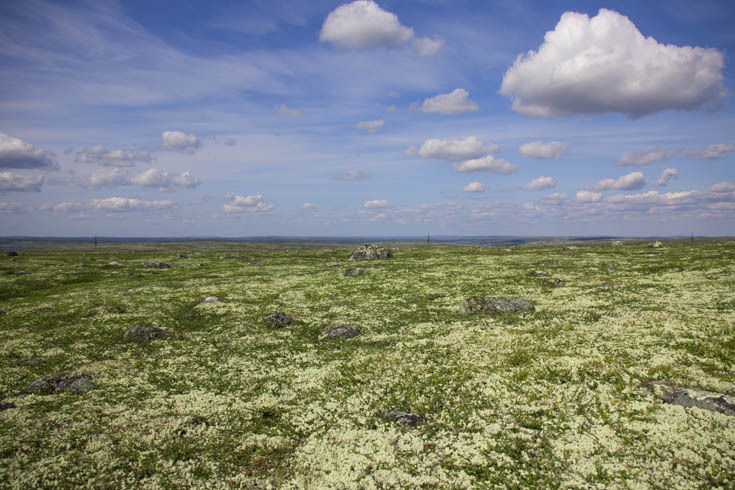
(62, 382)
(368, 251)
(144, 333)
(496, 306)
(276, 319)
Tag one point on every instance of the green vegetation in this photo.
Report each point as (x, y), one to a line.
(559, 397)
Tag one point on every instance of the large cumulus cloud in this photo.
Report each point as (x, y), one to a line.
(604, 64)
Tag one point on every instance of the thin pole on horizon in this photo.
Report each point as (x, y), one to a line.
(428, 240)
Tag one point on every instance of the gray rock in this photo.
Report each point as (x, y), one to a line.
(342, 332)
(540, 274)
(276, 319)
(156, 265)
(21, 272)
(31, 362)
(605, 285)
(144, 333)
(6, 406)
(211, 299)
(558, 283)
(368, 251)
(405, 418)
(355, 272)
(692, 397)
(611, 267)
(61, 383)
(496, 306)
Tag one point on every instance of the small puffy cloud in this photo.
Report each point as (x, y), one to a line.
(100, 155)
(285, 111)
(309, 205)
(486, 164)
(111, 178)
(14, 153)
(423, 46)
(722, 187)
(554, 199)
(634, 180)
(247, 204)
(538, 149)
(474, 187)
(604, 64)
(589, 196)
(176, 140)
(455, 102)
(362, 24)
(19, 183)
(540, 184)
(713, 152)
(370, 126)
(352, 175)
(378, 203)
(454, 150)
(666, 175)
(642, 158)
(391, 108)
(112, 204)
(164, 180)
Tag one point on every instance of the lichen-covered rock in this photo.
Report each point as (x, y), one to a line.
(341, 332)
(405, 418)
(62, 382)
(368, 251)
(496, 306)
(211, 299)
(355, 272)
(558, 283)
(144, 333)
(693, 397)
(156, 265)
(276, 319)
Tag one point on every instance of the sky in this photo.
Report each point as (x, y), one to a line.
(389, 118)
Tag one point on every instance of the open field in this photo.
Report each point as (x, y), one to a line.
(575, 394)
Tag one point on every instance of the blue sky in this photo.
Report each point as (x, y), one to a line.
(366, 118)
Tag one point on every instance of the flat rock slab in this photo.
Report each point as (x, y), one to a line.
(62, 382)
(144, 333)
(156, 265)
(276, 319)
(355, 272)
(341, 332)
(368, 251)
(693, 397)
(496, 306)
(405, 418)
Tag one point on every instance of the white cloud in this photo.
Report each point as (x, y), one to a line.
(423, 46)
(176, 140)
(391, 108)
(309, 205)
(486, 164)
(604, 64)
(633, 180)
(111, 178)
(713, 152)
(14, 153)
(646, 157)
(588, 196)
(454, 150)
(113, 204)
(100, 155)
(666, 175)
(722, 187)
(285, 111)
(163, 180)
(474, 187)
(19, 183)
(12, 208)
(378, 203)
(363, 24)
(370, 126)
(538, 149)
(554, 199)
(248, 204)
(352, 175)
(540, 184)
(455, 102)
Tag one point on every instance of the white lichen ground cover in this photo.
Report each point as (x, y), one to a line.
(561, 397)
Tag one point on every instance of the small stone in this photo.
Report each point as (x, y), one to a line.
(156, 265)
(656, 244)
(355, 272)
(617, 243)
(11, 253)
(276, 319)
(144, 333)
(540, 274)
(368, 251)
(31, 362)
(2, 313)
(114, 264)
(180, 256)
(211, 299)
(342, 332)
(604, 285)
(558, 283)
(21, 272)
(496, 306)
(6, 406)
(333, 295)
(405, 418)
(611, 267)
(61, 383)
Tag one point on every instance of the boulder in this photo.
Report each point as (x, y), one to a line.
(276, 319)
(156, 265)
(62, 382)
(693, 397)
(368, 251)
(355, 272)
(405, 418)
(144, 333)
(496, 306)
(341, 332)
